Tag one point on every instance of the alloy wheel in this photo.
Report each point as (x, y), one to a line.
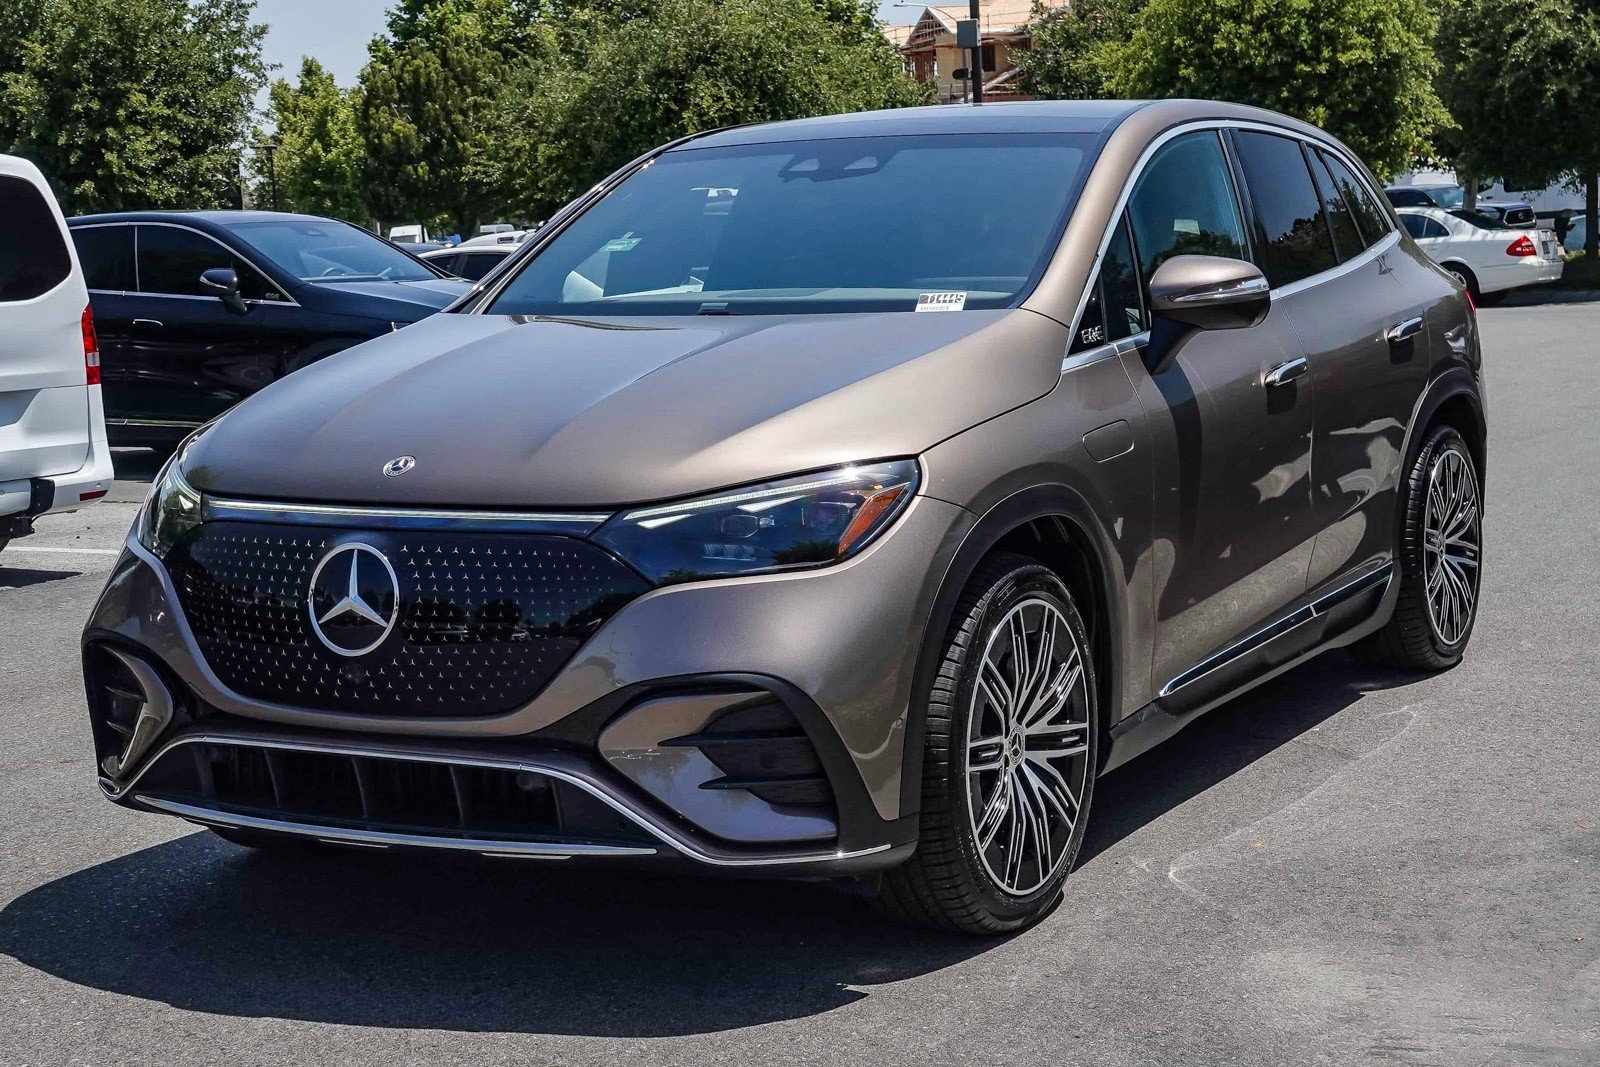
(1452, 545)
(1027, 746)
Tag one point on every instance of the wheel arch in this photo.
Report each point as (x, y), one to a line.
(1452, 398)
(1056, 526)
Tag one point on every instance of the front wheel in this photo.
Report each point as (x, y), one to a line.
(1441, 555)
(1009, 756)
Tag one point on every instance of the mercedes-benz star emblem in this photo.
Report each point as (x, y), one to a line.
(355, 599)
(398, 466)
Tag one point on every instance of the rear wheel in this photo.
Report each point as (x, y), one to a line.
(1010, 751)
(1441, 553)
(1468, 280)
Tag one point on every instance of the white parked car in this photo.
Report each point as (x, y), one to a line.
(468, 260)
(1483, 253)
(53, 450)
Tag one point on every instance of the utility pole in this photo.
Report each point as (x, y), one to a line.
(975, 68)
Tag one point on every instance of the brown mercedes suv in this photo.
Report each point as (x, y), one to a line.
(834, 498)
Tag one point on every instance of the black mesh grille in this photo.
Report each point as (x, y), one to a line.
(392, 794)
(486, 620)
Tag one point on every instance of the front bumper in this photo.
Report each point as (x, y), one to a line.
(835, 648)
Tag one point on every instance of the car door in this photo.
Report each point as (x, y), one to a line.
(192, 358)
(106, 252)
(1361, 330)
(1233, 524)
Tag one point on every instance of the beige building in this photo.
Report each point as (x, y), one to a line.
(931, 53)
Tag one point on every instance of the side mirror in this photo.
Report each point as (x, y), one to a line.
(225, 282)
(1189, 293)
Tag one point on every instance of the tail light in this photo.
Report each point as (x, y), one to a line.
(1522, 246)
(91, 348)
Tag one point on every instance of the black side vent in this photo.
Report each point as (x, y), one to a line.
(762, 748)
(389, 794)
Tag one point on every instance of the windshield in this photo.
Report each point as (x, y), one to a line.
(324, 251)
(1481, 219)
(1447, 196)
(856, 224)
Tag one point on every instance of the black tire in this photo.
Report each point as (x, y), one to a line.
(946, 883)
(1412, 640)
(1464, 275)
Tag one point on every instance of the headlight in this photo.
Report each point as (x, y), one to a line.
(171, 510)
(809, 521)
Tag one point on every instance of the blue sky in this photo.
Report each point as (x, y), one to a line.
(336, 32)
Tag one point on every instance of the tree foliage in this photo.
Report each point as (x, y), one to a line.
(682, 67)
(1519, 78)
(316, 166)
(1073, 47)
(130, 103)
(427, 98)
(1361, 69)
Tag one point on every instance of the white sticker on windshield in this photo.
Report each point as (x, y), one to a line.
(942, 302)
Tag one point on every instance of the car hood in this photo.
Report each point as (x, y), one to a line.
(404, 301)
(508, 411)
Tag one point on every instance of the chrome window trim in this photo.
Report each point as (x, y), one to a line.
(572, 524)
(1383, 244)
(342, 748)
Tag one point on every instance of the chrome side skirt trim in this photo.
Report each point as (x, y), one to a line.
(378, 839)
(1315, 610)
(575, 524)
(672, 840)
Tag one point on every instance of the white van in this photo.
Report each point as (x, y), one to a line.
(53, 450)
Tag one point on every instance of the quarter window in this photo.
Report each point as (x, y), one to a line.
(1291, 226)
(1347, 242)
(106, 253)
(1115, 308)
(33, 256)
(171, 261)
(1184, 204)
(1372, 219)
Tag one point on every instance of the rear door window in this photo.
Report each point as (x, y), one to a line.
(1293, 241)
(106, 253)
(474, 265)
(33, 256)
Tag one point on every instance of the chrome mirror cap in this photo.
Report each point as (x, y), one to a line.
(1210, 292)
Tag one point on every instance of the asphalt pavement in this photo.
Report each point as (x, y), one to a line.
(1346, 867)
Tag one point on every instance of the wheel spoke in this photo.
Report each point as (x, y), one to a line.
(1027, 739)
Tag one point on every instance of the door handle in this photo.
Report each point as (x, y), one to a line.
(1403, 331)
(148, 322)
(1285, 372)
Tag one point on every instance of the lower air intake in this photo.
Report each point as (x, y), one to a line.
(385, 794)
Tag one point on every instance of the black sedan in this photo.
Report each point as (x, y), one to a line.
(197, 310)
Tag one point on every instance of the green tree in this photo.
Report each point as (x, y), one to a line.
(1519, 78)
(316, 165)
(426, 103)
(1361, 69)
(690, 65)
(131, 103)
(1073, 46)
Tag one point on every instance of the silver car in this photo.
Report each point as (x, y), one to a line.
(835, 498)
